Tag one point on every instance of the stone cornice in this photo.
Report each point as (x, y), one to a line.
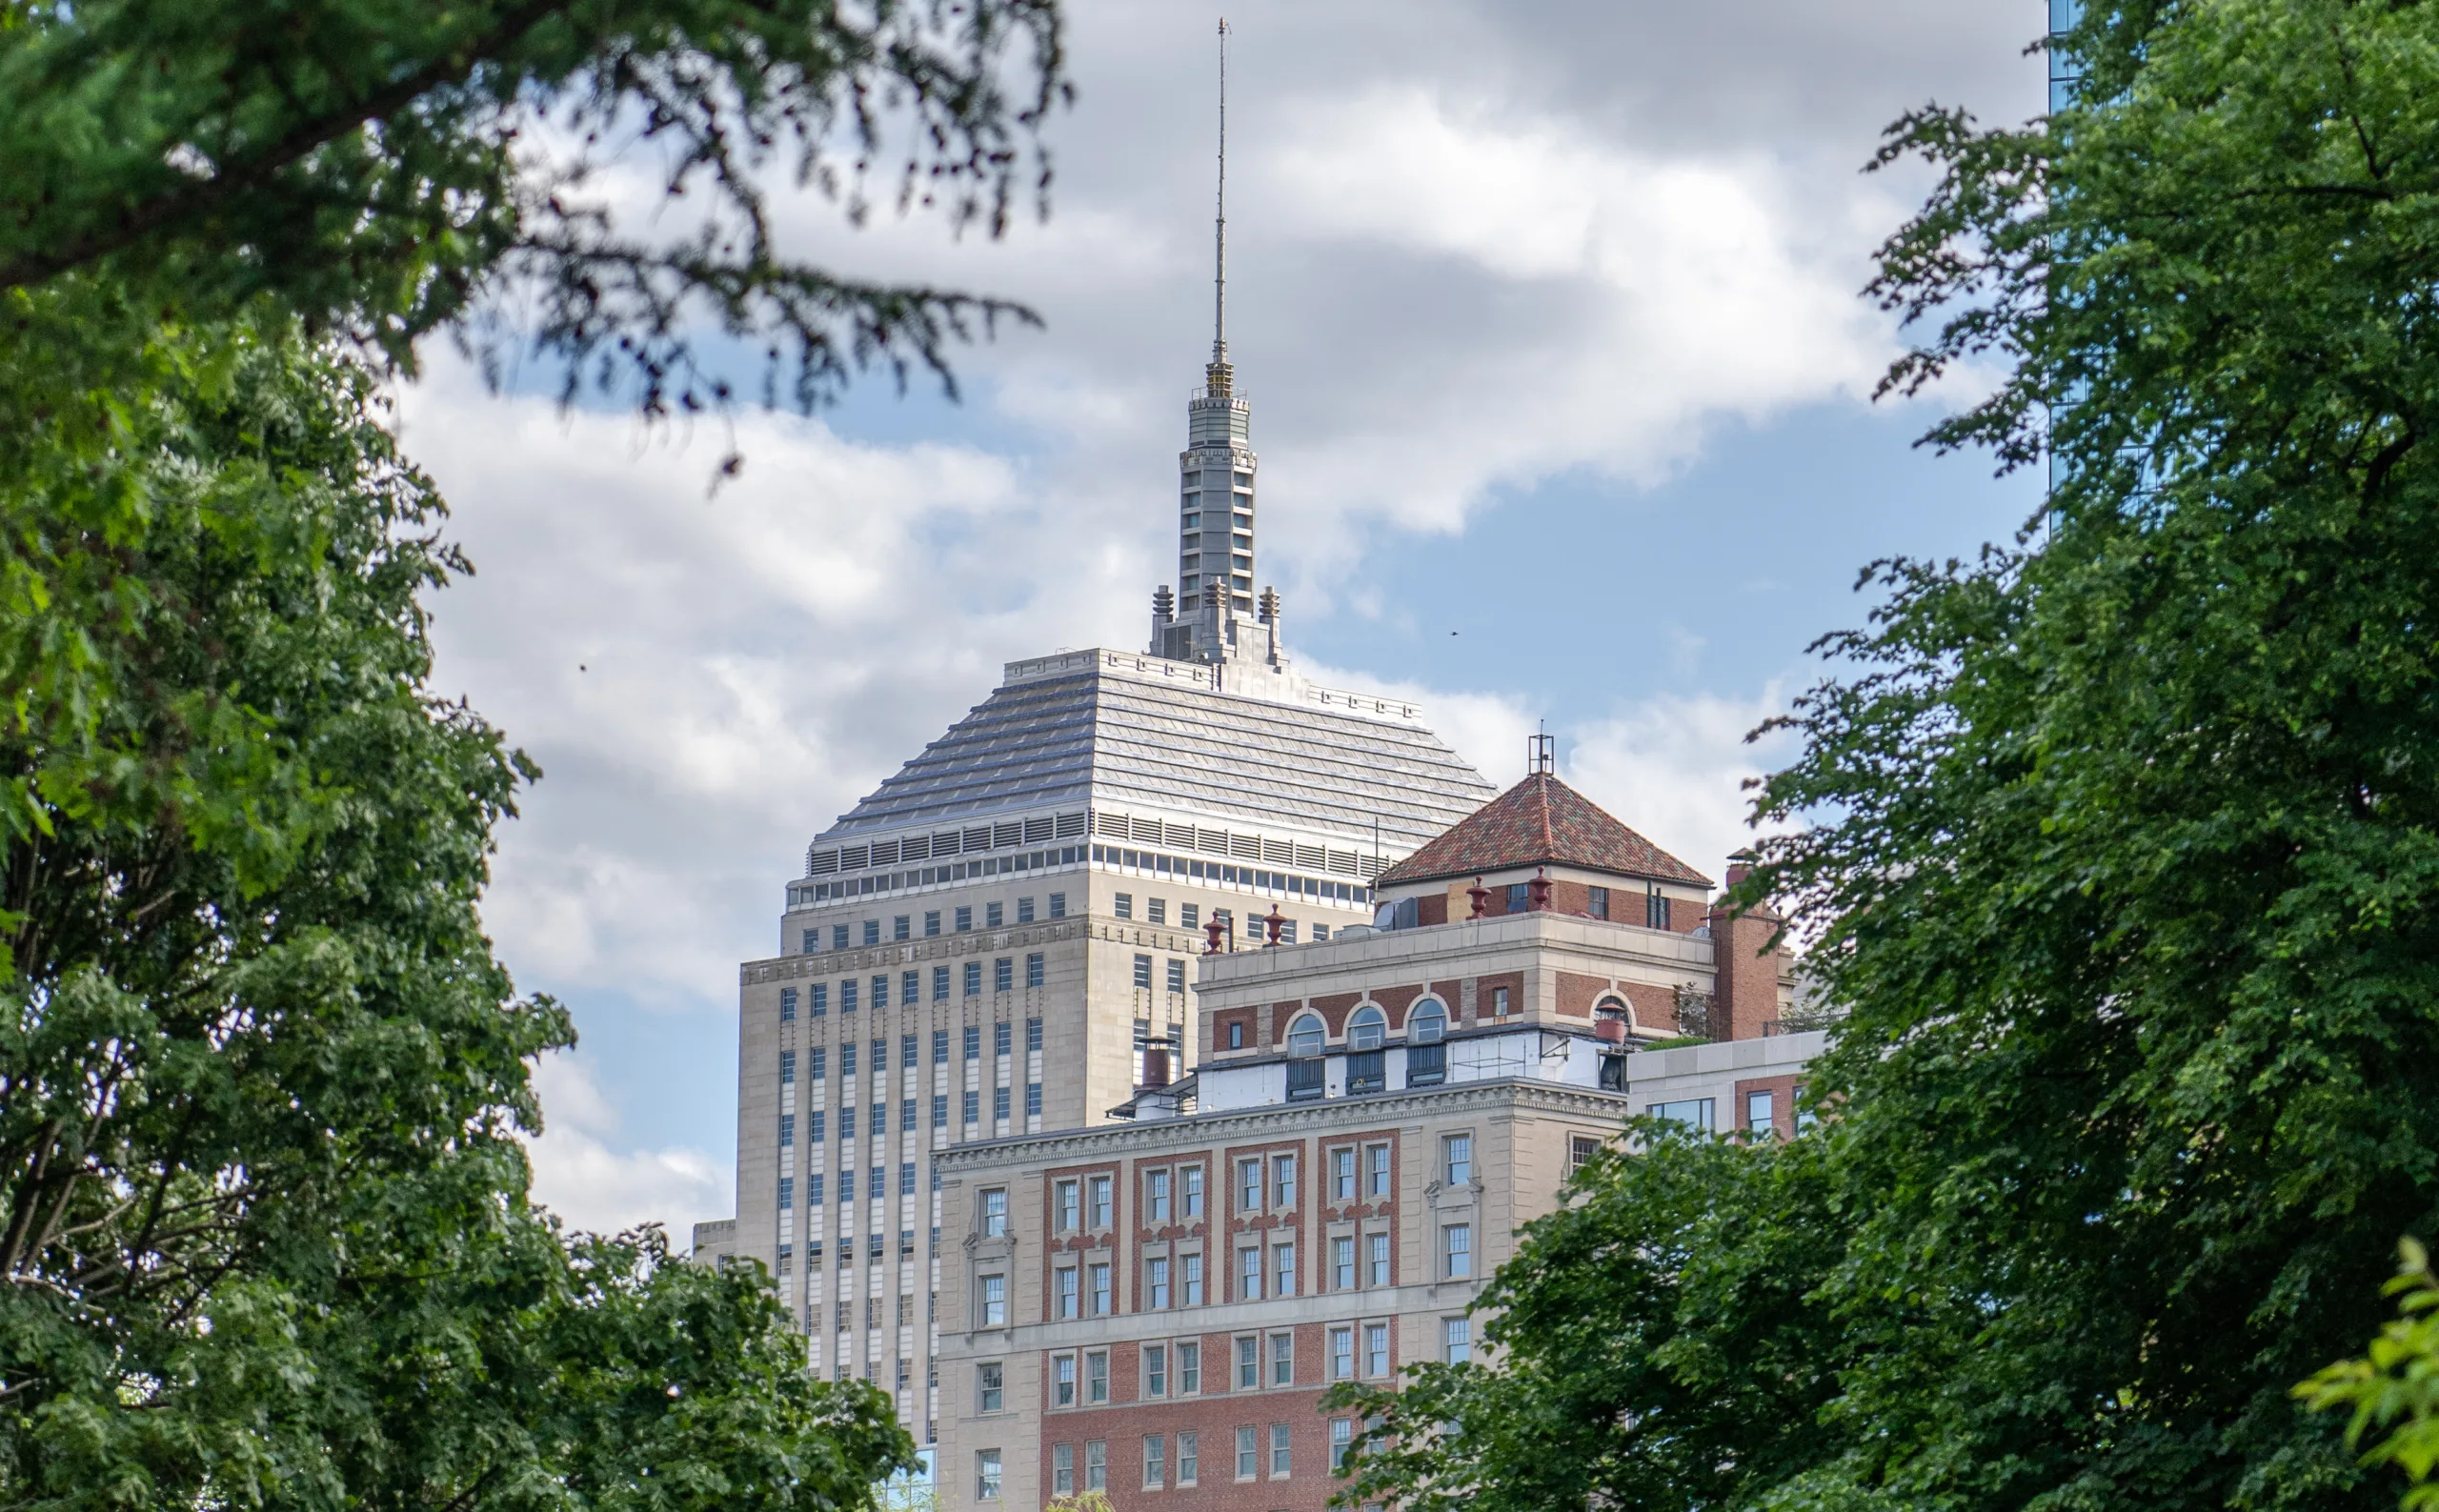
(1071, 1146)
(971, 942)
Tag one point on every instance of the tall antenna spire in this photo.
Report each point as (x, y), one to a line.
(1220, 224)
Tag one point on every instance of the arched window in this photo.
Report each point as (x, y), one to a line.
(1369, 1028)
(1612, 1008)
(1427, 1025)
(1304, 1037)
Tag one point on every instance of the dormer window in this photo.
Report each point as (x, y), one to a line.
(1368, 1029)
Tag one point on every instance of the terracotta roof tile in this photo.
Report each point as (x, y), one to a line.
(1540, 822)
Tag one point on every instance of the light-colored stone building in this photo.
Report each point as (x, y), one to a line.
(992, 943)
(1155, 1307)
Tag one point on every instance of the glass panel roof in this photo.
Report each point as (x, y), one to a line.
(1118, 742)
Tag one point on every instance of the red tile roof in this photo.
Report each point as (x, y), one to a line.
(1540, 822)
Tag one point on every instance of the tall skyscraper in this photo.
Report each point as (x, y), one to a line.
(1000, 939)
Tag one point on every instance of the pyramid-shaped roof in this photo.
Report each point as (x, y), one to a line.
(1540, 822)
(1112, 736)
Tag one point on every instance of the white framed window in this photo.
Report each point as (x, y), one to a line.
(1456, 1246)
(1284, 1269)
(1069, 1204)
(1155, 1197)
(1100, 1188)
(1097, 1466)
(1062, 1469)
(1282, 1359)
(1248, 1275)
(995, 1213)
(1188, 1446)
(1282, 1182)
(990, 1388)
(1456, 1162)
(1456, 1340)
(1097, 1378)
(1190, 1279)
(1249, 1186)
(1376, 1350)
(1155, 1462)
(1066, 1284)
(1062, 1381)
(1378, 1263)
(1156, 1370)
(995, 1302)
(1341, 1353)
(1155, 1281)
(1367, 1030)
(1248, 1365)
(1342, 1174)
(1341, 1440)
(1305, 1036)
(1248, 1455)
(1281, 1439)
(1100, 1276)
(1189, 1368)
(1190, 1191)
(1376, 1159)
(986, 1475)
(1580, 1148)
(1343, 1263)
(1427, 1025)
(1695, 1113)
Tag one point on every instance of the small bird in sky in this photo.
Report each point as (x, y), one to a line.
(579, 666)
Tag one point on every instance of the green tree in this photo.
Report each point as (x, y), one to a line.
(2394, 1385)
(385, 167)
(1653, 1343)
(263, 1227)
(264, 1234)
(2123, 844)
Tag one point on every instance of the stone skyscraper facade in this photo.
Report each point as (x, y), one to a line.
(993, 940)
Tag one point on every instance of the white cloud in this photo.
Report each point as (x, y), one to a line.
(578, 1175)
(1472, 248)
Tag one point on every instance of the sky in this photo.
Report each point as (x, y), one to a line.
(1561, 383)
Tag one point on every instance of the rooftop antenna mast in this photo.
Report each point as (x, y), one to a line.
(1220, 226)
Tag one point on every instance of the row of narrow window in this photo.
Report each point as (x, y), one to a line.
(817, 1066)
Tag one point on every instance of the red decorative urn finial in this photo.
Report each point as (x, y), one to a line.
(1212, 933)
(1536, 893)
(1277, 921)
(1480, 896)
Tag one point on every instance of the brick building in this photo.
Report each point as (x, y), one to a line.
(1155, 1306)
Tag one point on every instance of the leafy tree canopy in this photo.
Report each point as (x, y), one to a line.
(263, 1232)
(2125, 838)
(588, 174)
